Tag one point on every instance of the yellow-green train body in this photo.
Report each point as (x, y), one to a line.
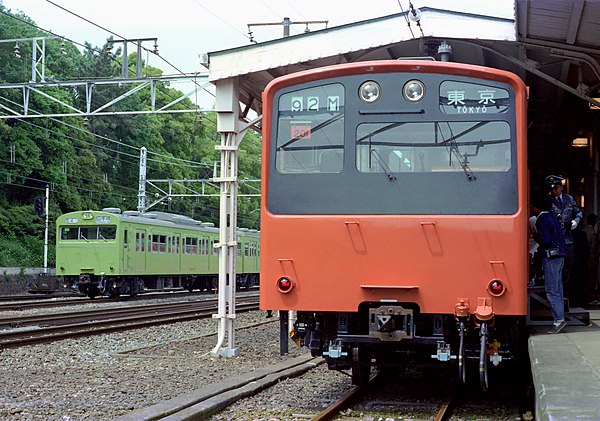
(110, 252)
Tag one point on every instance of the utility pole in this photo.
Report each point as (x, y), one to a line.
(286, 26)
(46, 200)
(142, 184)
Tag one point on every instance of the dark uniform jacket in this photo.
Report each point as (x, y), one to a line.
(549, 234)
(566, 210)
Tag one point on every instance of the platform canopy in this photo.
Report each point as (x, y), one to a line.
(553, 45)
(546, 42)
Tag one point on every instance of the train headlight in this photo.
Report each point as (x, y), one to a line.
(413, 90)
(284, 285)
(496, 287)
(369, 91)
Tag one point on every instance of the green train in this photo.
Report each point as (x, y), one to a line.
(110, 252)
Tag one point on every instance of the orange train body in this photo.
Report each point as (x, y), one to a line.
(341, 245)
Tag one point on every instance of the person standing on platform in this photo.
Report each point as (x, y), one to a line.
(552, 249)
(569, 216)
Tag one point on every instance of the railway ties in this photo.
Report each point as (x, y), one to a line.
(84, 323)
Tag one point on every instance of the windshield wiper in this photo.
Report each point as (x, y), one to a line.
(379, 159)
(462, 160)
(318, 127)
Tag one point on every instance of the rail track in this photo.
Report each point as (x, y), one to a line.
(18, 303)
(30, 330)
(357, 392)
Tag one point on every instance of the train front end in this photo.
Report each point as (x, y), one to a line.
(394, 217)
(88, 251)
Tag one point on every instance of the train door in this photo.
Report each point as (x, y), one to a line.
(240, 257)
(126, 251)
(177, 251)
(139, 259)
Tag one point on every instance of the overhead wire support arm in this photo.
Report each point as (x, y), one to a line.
(287, 22)
(29, 88)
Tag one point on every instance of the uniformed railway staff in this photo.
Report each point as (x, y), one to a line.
(569, 215)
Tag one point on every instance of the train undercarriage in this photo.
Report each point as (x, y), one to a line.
(114, 286)
(396, 335)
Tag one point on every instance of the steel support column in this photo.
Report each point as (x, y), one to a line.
(228, 125)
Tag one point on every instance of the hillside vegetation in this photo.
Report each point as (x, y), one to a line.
(94, 163)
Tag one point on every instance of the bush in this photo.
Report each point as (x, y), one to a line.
(25, 251)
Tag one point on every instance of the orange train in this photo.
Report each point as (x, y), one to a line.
(394, 213)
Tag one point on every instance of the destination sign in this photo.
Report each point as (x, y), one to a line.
(472, 98)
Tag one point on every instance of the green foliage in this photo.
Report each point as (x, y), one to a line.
(92, 164)
(24, 252)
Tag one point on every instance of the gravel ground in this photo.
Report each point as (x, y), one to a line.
(90, 379)
(102, 377)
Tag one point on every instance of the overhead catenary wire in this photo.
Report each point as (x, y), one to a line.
(185, 162)
(220, 18)
(69, 175)
(54, 184)
(120, 36)
(89, 47)
(406, 19)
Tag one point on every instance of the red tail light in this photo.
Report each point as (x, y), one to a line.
(285, 285)
(496, 288)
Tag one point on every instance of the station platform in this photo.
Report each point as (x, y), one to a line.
(566, 370)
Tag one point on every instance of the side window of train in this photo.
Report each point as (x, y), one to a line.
(138, 247)
(239, 247)
(143, 241)
(125, 234)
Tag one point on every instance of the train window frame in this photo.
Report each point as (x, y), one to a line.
(107, 232)
(316, 110)
(88, 232)
(434, 146)
(177, 241)
(72, 230)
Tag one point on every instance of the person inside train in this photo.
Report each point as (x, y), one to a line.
(569, 216)
(551, 242)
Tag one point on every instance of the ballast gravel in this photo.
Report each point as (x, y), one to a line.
(105, 376)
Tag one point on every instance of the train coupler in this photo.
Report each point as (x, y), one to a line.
(335, 350)
(443, 352)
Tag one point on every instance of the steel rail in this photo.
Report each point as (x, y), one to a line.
(72, 316)
(54, 333)
(344, 402)
(445, 411)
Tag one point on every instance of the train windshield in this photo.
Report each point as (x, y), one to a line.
(480, 146)
(311, 130)
(105, 232)
(330, 148)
